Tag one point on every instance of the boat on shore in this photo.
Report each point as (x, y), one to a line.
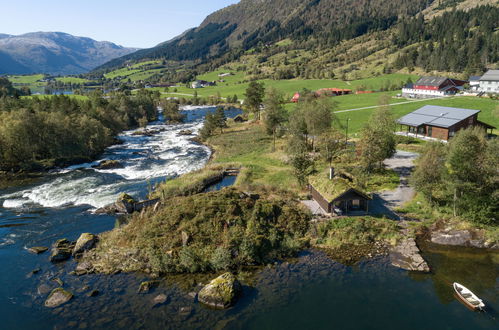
(467, 297)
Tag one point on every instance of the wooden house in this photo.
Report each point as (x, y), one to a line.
(338, 195)
(440, 122)
(489, 82)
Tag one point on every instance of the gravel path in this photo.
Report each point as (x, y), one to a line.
(384, 203)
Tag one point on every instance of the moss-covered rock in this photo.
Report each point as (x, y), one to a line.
(222, 292)
(38, 249)
(61, 250)
(58, 297)
(125, 203)
(85, 242)
(109, 164)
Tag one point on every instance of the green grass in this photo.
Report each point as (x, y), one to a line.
(125, 72)
(26, 79)
(72, 80)
(143, 75)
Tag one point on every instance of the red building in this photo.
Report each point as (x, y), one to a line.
(429, 87)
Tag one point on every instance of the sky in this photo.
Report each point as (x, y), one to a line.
(130, 23)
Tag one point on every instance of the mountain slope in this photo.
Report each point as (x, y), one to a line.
(54, 53)
(250, 22)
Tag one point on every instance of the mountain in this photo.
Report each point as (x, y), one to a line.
(336, 37)
(54, 53)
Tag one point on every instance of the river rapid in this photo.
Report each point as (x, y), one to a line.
(310, 292)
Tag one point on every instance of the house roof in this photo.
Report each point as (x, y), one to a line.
(491, 75)
(436, 116)
(431, 81)
(335, 188)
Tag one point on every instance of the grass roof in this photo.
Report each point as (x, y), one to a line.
(332, 189)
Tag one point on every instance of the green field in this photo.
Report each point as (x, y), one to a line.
(28, 79)
(72, 80)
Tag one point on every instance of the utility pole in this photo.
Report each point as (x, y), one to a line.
(346, 134)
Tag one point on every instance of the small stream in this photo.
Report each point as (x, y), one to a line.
(309, 292)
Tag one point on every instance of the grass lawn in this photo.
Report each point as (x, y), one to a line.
(125, 72)
(360, 117)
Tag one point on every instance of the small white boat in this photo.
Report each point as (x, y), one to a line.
(469, 298)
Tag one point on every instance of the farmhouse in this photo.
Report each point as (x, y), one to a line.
(440, 122)
(429, 87)
(338, 195)
(489, 83)
(474, 83)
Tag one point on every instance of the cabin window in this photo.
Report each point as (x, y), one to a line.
(355, 203)
(430, 130)
(451, 132)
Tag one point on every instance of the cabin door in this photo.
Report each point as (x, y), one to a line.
(429, 131)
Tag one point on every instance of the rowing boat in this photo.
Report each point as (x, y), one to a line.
(469, 298)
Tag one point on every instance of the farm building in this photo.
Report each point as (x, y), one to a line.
(474, 83)
(333, 92)
(429, 87)
(440, 122)
(489, 83)
(338, 195)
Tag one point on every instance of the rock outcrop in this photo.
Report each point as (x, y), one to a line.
(61, 250)
(221, 293)
(85, 242)
(58, 297)
(463, 237)
(406, 255)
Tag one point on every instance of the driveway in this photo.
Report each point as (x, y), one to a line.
(384, 203)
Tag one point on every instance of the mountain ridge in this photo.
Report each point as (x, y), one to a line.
(55, 53)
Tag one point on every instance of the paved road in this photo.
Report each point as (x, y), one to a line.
(384, 203)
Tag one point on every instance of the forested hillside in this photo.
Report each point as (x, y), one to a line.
(337, 37)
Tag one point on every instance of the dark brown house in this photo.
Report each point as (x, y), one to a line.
(440, 122)
(338, 195)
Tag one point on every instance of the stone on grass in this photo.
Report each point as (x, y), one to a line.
(58, 297)
(222, 292)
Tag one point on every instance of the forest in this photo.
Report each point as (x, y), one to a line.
(39, 133)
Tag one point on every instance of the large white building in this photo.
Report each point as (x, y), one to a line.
(489, 83)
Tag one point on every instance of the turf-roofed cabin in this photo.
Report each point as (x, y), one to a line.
(338, 195)
(440, 122)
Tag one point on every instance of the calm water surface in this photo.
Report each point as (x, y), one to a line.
(311, 292)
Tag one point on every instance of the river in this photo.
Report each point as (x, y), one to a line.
(311, 292)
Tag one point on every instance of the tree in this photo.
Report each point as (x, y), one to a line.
(254, 97)
(429, 171)
(209, 126)
(299, 158)
(220, 121)
(275, 113)
(331, 145)
(377, 141)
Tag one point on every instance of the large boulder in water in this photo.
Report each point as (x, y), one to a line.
(221, 292)
(108, 165)
(61, 250)
(58, 297)
(85, 242)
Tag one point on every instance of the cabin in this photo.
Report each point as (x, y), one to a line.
(202, 83)
(489, 82)
(430, 87)
(338, 195)
(440, 122)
